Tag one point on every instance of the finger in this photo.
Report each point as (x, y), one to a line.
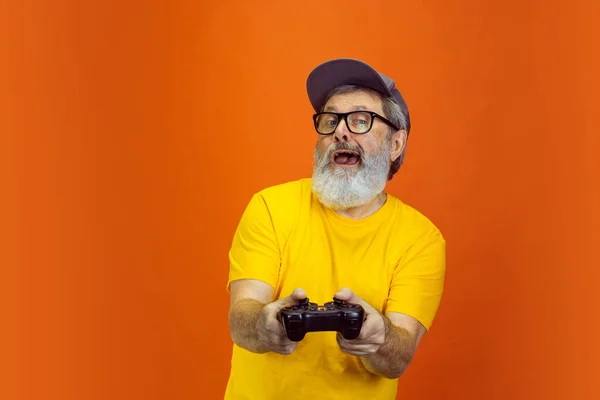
(297, 295)
(273, 309)
(369, 328)
(349, 296)
(357, 353)
(276, 332)
(356, 349)
(274, 327)
(284, 349)
(275, 341)
(363, 347)
(359, 341)
(345, 294)
(280, 340)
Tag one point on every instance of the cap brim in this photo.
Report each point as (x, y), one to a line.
(345, 71)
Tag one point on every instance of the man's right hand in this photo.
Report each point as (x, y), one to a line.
(269, 327)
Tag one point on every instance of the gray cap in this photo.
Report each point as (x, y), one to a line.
(348, 71)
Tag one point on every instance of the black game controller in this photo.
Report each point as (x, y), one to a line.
(335, 315)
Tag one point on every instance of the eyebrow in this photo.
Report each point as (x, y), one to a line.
(355, 108)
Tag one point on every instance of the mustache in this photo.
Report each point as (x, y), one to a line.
(345, 146)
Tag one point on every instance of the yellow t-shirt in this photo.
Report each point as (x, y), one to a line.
(393, 259)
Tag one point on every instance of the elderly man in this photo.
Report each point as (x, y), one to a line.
(337, 234)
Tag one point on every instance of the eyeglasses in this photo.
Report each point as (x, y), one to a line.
(359, 122)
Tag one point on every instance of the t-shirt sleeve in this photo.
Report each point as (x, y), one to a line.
(418, 280)
(254, 252)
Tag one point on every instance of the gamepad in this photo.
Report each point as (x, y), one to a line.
(336, 315)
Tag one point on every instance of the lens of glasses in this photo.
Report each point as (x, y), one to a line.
(357, 122)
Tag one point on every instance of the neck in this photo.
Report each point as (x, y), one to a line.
(364, 210)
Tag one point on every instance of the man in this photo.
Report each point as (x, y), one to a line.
(337, 234)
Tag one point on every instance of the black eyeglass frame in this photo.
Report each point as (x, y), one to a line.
(344, 116)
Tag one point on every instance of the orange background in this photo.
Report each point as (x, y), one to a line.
(133, 134)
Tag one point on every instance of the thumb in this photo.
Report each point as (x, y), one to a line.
(297, 295)
(347, 295)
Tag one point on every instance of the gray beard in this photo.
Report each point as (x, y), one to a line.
(341, 188)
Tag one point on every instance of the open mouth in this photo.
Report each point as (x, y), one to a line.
(345, 157)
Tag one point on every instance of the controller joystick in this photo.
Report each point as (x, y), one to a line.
(342, 303)
(303, 302)
(336, 316)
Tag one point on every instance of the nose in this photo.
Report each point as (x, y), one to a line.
(341, 132)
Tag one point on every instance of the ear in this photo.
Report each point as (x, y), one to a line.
(398, 144)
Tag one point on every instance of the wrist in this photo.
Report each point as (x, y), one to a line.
(244, 322)
(390, 360)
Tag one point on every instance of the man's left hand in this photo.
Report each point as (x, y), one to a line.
(372, 333)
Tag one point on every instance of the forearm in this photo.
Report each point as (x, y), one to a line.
(242, 325)
(394, 355)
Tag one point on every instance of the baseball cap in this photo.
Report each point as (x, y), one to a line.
(349, 71)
